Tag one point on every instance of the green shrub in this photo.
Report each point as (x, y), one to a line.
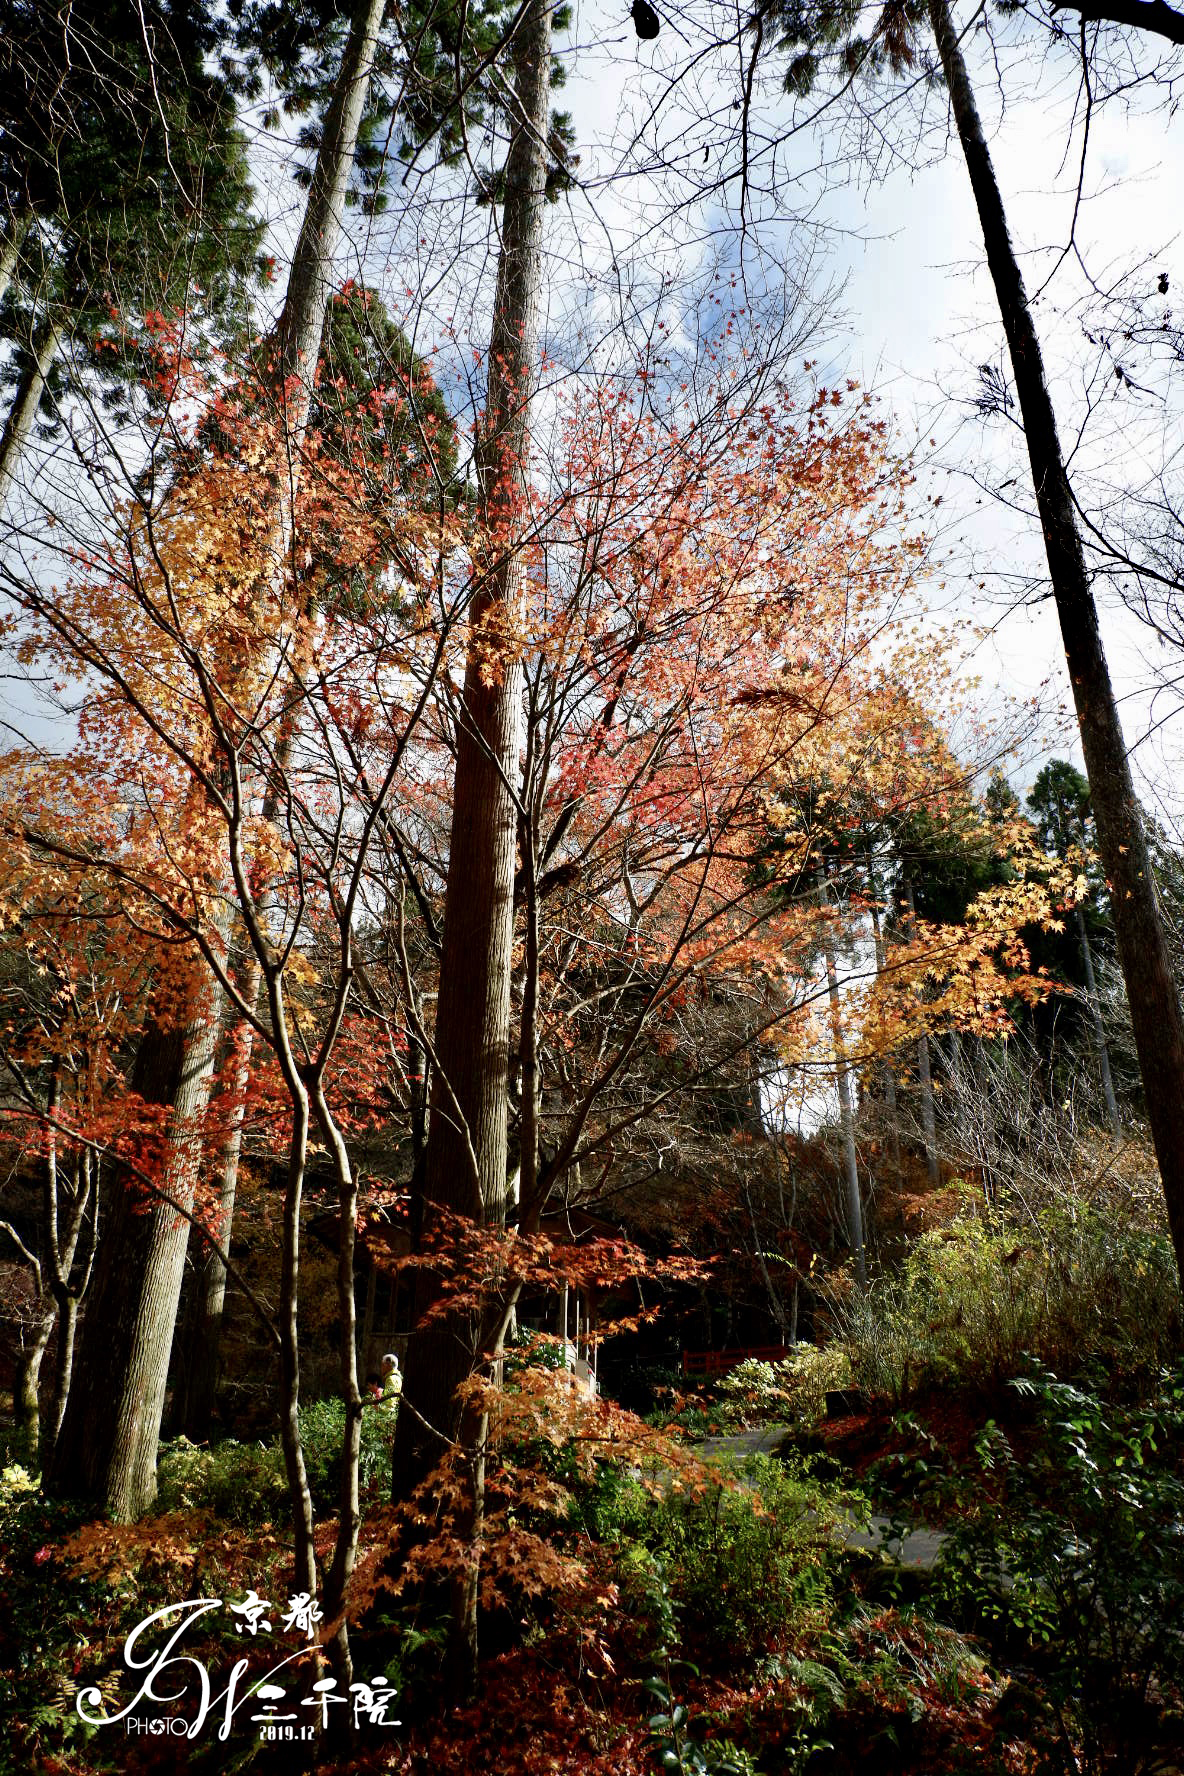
(975, 1298)
(322, 1427)
(757, 1393)
(754, 1393)
(49, 1612)
(239, 1482)
(791, 1391)
(1070, 1545)
(742, 1566)
(247, 1482)
(811, 1371)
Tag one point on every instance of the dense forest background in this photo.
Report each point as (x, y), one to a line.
(591, 1117)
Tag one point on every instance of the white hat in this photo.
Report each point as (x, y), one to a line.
(390, 1360)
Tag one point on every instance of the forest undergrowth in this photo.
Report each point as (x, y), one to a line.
(1027, 1400)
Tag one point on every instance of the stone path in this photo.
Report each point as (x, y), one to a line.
(916, 1551)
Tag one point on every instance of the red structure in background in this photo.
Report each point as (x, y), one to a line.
(719, 1362)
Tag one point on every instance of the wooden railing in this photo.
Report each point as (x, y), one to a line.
(719, 1362)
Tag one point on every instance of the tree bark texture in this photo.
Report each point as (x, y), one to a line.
(310, 278)
(854, 1201)
(10, 248)
(204, 1331)
(106, 1448)
(22, 414)
(1100, 1043)
(1142, 947)
(68, 1285)
(130, 1326)
(466, 1161)
(26, 1386)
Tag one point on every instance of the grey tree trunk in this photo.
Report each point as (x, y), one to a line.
(349, 1519)
(59, 1291)
(890, 1105)
(928, 1119)
(310, 278)
(776, 1305)
(299, 333)
(846, 1113)
(204, 1331)
(10, 250)
(925, 1077)
(63, 1373)
(1142, 948)
(466, 1161)
(1100, 1043)
(26, 1387)
(106, 1448)
(111, 1455)
(69, 1287)
(22, 414)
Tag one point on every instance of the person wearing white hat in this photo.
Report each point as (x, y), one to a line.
(392, 1382)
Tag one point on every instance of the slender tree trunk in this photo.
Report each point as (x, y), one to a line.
(22, 414)
(349, 1519)
(928, 1119)
(129, 1331)
(204, 1331)
(106, 1449)
(890, 1106)
(466, 1162)
(1100, 1043)
(1142, 948)
(846, 1112)
(26, 1387)
(776, 1305)
(526, 1190)
(925, 1076)
(63, 1371)
(68, 1290)
(300, 1498)
(10, 249)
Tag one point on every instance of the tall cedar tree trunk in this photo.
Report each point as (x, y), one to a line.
(110, 1454)
(298, 348)
(10, 249)
(1142, 948)
(466, 1162)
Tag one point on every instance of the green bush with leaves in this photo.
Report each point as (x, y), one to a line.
(791, 1391)
(974, 1299)
(241, 1483)
(743, 1565)
(246, 1482)
(322, 1427)
(49, 1613)
(1069, 1545)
